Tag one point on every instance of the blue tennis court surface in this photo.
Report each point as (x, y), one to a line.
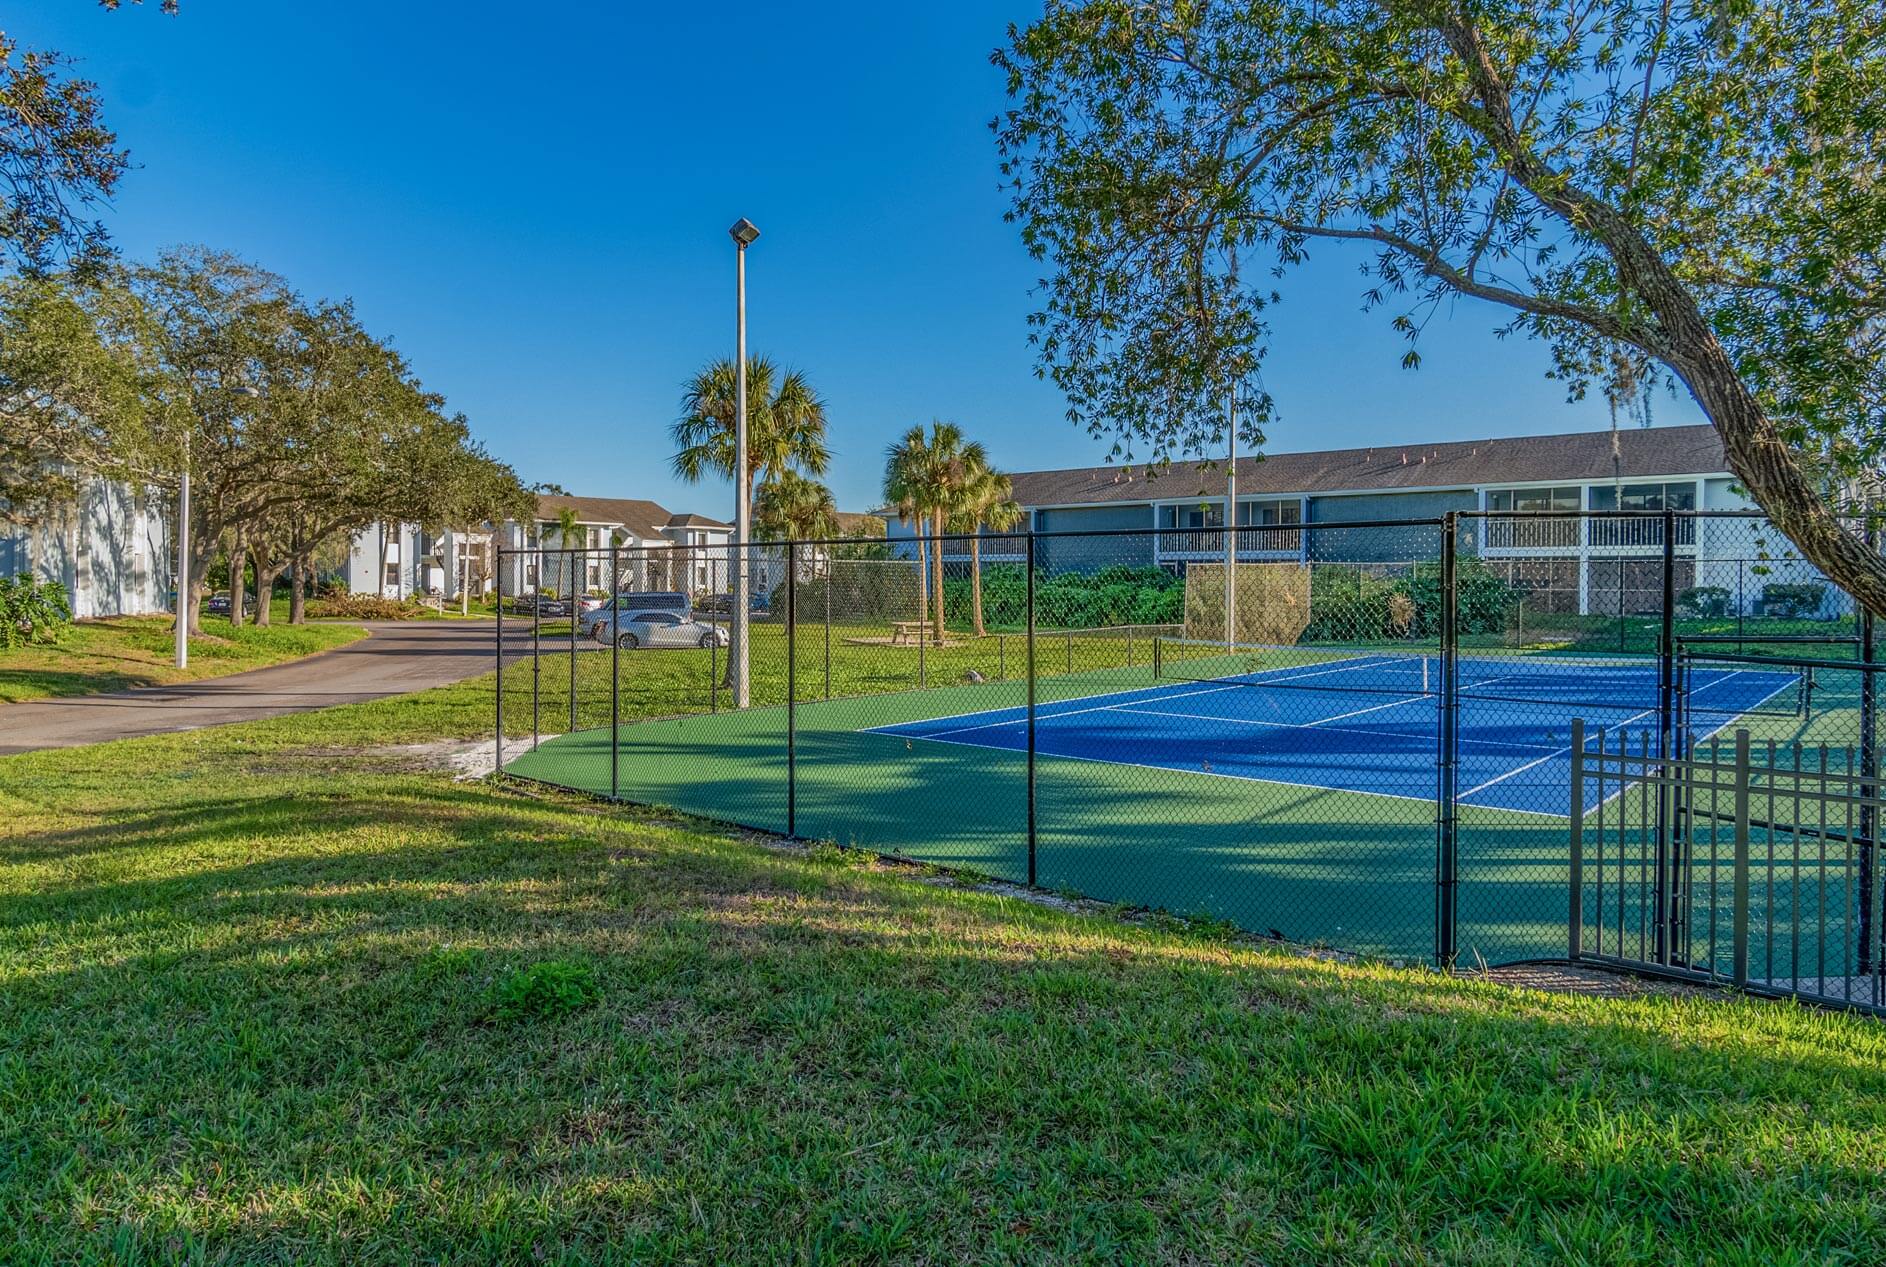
(1367, 723)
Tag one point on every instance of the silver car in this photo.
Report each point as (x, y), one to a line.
(635, 629)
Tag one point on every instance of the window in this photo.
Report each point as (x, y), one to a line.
(1671, 496)
(1262, 514)
(1531, 501)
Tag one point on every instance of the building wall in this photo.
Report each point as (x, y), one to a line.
(1388, 544)
(110, 549)
(1090, 554)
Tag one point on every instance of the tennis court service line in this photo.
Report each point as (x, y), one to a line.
(1336, 730)
(1114, 699)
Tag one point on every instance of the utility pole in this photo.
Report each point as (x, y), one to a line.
(744, 234)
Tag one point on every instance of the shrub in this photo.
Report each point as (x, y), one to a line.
(1798, 601)
(1703, 602)
(546, 991)
(32, 611)
(364, 607)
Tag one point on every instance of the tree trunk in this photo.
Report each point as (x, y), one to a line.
(298, 590)
(379, 578)
(975, 583)
(923, 573)
(238, 565)
(266, 571)
(462, 549)
(1684, 340)
(936, 563)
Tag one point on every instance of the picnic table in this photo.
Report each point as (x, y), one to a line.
(904, 631)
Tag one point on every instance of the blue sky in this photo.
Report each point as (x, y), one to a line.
(533, 203)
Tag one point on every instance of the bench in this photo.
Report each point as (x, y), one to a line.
(904, 631)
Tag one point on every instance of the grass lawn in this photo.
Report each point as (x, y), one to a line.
(270, 995)
(126, 651)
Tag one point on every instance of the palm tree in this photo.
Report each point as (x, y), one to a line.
(932, 476)
(792, 507)
(989, 502)
(907, 485)
(785, 424)
(566, 533)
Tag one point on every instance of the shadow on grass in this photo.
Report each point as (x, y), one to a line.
(241, 1023)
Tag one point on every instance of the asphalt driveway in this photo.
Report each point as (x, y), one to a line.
(395, 657)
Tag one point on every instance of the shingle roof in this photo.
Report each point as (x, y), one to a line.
(695, 521)
(850, 521)
(1578, 455)
(643, 518)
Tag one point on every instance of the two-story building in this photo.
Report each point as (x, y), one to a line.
(658, 549)
(1590, 565)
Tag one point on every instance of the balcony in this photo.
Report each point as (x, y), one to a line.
(1521, 535)
(993, 547)
(1282, 542)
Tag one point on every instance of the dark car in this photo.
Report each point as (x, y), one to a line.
(218, 603)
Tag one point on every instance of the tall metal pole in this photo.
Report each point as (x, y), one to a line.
(744, 234)
(1231, 525)
(792, 692)
(1447, 842)
(1666, 895)
(183, 573)
(615, 671)
(1031, 705)
(1869, 767)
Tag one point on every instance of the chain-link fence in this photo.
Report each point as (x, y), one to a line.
(1349, 733)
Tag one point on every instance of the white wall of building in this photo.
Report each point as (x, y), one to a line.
(111, 549)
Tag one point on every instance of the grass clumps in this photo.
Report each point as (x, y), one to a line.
(546, 991)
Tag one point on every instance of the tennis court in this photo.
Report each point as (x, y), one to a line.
(1244, 789)
(1362, 723)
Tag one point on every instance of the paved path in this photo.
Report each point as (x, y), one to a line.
(395, 657)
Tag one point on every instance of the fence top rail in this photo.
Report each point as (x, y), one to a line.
(966, 537)
(1785, 661)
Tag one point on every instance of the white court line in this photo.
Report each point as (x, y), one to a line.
(1566, 751)
(1338, 730)
(1117, 699)
(1040, 716)
(1218, 774)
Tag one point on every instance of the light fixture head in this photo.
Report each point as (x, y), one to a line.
(744, 231)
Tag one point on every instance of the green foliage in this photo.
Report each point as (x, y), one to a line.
(1703, 602)
(1797, 601)
(32, 611)
(1686, 195)
(545, 991)
(1114, 595)
(365, 607)
(1350, 604)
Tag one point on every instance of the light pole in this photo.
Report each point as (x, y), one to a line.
(744, 235)
(183, 567)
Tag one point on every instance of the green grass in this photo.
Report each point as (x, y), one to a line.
(126, 651)
(269, 997)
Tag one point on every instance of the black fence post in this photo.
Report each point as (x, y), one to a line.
(498, 711)
(572, 603)
(1666, 904)
(1869, 758)
(713, 647)
(830, 563)
(615, 669)
(792, 692)
(1447, 834)
(1031, 706)
(536, 653)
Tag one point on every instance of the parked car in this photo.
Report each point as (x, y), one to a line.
(637, 629)
(218, 604)
(758, 602)
(596, 622)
